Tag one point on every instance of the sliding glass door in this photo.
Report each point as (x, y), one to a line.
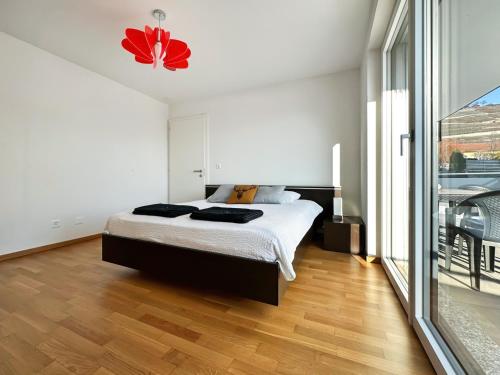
(397, 151)
(441, 193)
(457, 115)
(465, 289)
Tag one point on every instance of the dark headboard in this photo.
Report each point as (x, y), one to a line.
(322, 195)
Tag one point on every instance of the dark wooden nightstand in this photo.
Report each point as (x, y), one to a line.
(346, 235)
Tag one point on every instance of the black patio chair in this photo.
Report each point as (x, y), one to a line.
(475, 230)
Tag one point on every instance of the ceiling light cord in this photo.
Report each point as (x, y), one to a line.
(159, 28)
(160, 16)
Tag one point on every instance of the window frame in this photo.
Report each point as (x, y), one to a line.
(424, 83)
(402, 288)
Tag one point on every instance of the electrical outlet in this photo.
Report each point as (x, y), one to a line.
(218, 166)
(56, 223)
(79, 220)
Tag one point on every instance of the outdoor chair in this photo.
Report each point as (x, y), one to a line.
(476, 230)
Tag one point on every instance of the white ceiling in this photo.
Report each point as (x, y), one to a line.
(236, 44)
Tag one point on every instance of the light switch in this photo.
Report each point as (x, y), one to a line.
(218, 166)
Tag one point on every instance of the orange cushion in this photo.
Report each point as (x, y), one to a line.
(242, 194)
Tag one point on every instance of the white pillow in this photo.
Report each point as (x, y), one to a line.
(288, 197)
(269, 194)
(222, 194)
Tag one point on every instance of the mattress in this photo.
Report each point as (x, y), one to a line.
(272, 237)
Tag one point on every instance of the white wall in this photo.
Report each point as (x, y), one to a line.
(72, 144)
(363, 141)
(371, 125)
(371, 158)
(284, 134)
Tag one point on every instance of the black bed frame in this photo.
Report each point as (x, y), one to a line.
(258, 280)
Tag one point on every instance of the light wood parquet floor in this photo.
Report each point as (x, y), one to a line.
(67, 312)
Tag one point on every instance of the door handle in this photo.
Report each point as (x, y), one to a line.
(402, 137)
(198, 171)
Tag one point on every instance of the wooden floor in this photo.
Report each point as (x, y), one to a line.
(65, 311)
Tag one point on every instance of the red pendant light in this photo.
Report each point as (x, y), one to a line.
(152, 46)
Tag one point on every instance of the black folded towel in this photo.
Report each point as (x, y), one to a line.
(229, 215)
(165, 210)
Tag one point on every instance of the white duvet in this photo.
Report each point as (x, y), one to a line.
(272, 237)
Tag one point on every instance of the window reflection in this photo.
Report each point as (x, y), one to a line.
(466, 304)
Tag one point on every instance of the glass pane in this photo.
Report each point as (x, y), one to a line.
(465, 303)
(400, 160)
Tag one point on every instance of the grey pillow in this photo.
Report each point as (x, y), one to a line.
(221, 195)
(288, 197)
(269, 194)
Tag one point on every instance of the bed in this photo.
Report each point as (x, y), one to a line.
(254, 260)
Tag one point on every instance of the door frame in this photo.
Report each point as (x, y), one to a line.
(425, 69)
(403, 291)
(206, 164)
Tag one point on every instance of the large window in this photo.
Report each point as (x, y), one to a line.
(441, 194)
(461, 175)
(442, 79)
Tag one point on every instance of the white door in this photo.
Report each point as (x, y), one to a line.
(187, 158)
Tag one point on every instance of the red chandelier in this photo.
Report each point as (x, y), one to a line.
(151, 46)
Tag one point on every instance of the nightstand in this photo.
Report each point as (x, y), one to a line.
(346, 235)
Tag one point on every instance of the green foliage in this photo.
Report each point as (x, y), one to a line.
(457, 162)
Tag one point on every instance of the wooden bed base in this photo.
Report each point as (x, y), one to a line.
(258, 280)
